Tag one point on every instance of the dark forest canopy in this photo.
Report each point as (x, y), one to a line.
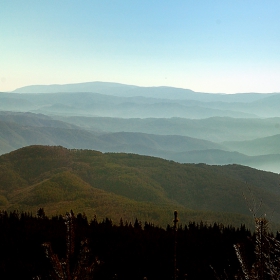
(125, 251)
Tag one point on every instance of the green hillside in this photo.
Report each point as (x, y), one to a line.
(129, 186)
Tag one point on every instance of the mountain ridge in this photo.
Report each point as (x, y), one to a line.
(23, 129)
(56, 178)
(119, 89)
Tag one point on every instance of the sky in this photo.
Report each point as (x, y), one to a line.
(217, 46)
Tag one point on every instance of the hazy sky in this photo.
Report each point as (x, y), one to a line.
(212, 46)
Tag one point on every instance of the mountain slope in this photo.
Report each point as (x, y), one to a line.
(174, 143)
(270, 162)
(23, 129)
(96, 104)
(129, 186)
(260, 146)
(31, 119)
(14, 136)
(214, 129)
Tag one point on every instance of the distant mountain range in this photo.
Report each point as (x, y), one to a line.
(23, 129)
(216, 129)
(126, 101)
(259, 146)
(171, 123)
(178, 125)
(95, 104)
(122, 90)
(129, 186)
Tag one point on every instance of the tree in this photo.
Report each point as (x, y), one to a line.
(63, 269)
(267, 255)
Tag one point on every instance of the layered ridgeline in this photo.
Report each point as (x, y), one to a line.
(131, 186)
(126, 101)
(171, 123)
(181, 140)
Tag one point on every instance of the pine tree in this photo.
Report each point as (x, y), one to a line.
(267, 255)
(62, 269)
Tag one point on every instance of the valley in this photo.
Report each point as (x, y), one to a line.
(170, 123)
(173, 131)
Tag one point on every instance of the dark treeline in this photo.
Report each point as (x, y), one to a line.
(124, 251)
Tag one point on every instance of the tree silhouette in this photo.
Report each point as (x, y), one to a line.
(267, 255)
(66, 269)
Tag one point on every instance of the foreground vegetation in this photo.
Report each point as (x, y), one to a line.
(115, 190)
(125, 251)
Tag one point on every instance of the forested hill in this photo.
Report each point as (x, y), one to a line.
(130, 186)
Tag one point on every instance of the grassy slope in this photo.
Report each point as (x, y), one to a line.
(130, 186)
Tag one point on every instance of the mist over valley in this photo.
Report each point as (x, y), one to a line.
(171, 123)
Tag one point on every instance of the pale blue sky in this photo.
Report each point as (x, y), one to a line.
(212, 46)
